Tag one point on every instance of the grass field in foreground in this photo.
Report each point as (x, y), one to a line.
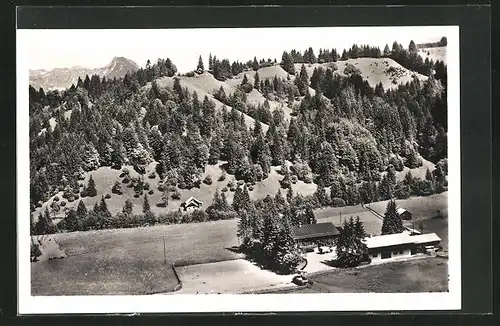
(417, 275)
(131, 261)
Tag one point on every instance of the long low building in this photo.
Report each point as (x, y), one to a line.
(315, 234)
(399, 244)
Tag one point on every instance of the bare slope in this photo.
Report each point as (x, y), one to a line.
(204, 85)
(434, 53)
(374, 70)
(105, 178)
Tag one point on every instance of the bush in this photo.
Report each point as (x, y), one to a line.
(161, 188)
(199, 216)
(162, 204)
(176, 195)
(107, 196)
(146, 186)
(63, 203)
(224, 189)
(136, 195)
(126, 171)
(126, 180)
(208, 180)
(152, 175)
(117, 188)
(39, 204)
(222, 176)
(71, 199)
(294, 179)
(247, 87)
(240, 183)
(151, 191)
(351, 69)
(231, 184)
(338, 202)
(56, 198)
(250, 188)
(190, 74)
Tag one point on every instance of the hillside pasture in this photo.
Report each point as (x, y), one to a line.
(202, 88)
(131, 261)
(434, 53)
(105, 178)
(374, 70)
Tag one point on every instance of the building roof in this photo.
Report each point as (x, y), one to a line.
(426, 238)
(317, 230)
(401, 211)
(191, 200)
(400, 239)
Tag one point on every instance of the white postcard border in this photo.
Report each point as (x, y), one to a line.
(182, 303)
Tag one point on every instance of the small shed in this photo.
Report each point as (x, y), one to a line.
(404, 214)
(317, 234)
(191, 204)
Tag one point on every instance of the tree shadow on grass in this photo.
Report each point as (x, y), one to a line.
(235, 249)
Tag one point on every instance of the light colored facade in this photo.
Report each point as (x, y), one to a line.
(399, 245)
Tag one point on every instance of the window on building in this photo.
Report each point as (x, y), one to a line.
(401, 252)
(386, 255)
(395, 253)
(375, 255)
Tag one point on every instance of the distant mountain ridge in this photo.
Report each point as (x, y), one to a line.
(62, 78)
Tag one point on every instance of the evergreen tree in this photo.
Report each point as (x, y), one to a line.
(91, 191)
(392, 221)
(309, 216)
(128, 208)
(200, 68)
(256, 83)
(287, 63)
(72, 222)
(255, 64)
(44, 225)
(81, 211)
(322, 196)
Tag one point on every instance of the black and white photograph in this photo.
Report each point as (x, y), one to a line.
(239, 169)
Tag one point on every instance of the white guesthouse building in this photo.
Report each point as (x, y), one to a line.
(398, 245)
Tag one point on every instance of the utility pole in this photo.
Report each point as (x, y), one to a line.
(164, 251)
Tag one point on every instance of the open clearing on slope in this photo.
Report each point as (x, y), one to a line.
(434, 53)
(373, 70)
(131, 261)
(416, 275)
(105, 178)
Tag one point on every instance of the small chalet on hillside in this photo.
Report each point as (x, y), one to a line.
(402, 244)
(404, 214)
(315, 234)
(191, 204)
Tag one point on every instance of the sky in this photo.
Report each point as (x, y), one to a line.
(48, 49)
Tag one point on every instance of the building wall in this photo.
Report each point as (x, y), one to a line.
(376, 256)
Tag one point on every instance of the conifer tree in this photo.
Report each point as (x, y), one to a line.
(44, 225)
(309, 216)
(91, 191)
(256, 83)
(392, 222)
(200, 68)
(322, 196)
(81, 211)
(72, 222)
(128, 208)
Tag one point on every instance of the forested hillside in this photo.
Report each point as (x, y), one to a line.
(340, 132)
